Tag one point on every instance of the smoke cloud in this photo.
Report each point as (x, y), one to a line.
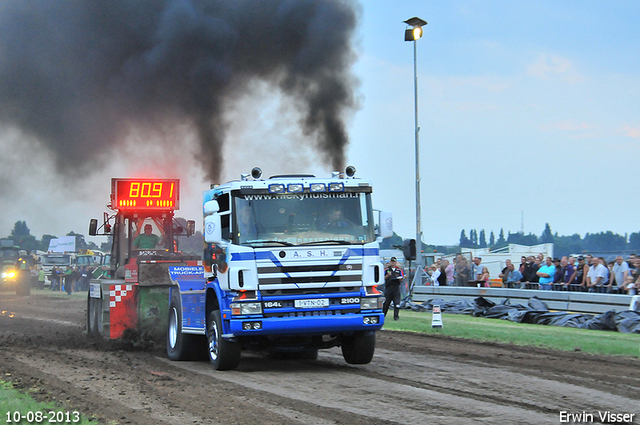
(78, 76)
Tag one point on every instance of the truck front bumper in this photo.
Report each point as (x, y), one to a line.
(306, 325)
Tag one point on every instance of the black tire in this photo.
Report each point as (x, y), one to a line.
(223, 354)
(94, 310)
(359, 347)
(180, 346)
(22, 284)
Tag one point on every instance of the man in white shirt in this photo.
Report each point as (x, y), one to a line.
(476, 269)
(598, 276)
(620, 271)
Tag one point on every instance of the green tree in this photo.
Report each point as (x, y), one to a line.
(567, 245)
(473, 237)
(604, 241)
(464, 240)
(634, 241)
(388, 243)
(22, 237)
(482, 243)
(501, 239)
(522, 239)
(81, 244)
(547, 236)
(492, 239)
(44, 242)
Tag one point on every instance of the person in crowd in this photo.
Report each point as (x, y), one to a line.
(442, 277)
(485, 277)
(513, 277)
(563, 273)
(621, 272)
(55, 277)
(448, 270)
(612, 286)
(462, 272)
(41, 278)
(545, 274)
(476, 269)
(523, 263)
(434, 274)
(598, 276)
(589, 259)
(572, 261)
(530, 275)
(633, 281)
(579, 276)
(392, 278)
(631, 262)
(69, 279)
(85, 277)
(505, 271)
(146, 240)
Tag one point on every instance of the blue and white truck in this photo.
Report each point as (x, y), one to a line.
(291, 265)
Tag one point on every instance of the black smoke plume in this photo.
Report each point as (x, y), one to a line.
(79, 75)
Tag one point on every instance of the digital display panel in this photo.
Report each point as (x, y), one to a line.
(145, 194)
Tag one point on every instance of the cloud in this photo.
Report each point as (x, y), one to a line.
(548, 67)
(567, 125)
(633, 132)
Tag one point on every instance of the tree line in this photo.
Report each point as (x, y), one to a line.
(21, 236)
(563, 245)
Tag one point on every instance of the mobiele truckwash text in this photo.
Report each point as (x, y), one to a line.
(607, 417)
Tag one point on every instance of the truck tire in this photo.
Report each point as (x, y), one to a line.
(23, 287)
(94, 310)
(359, 347)
(180, 346)
(223, 354)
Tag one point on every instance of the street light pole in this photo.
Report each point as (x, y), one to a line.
(413, 34)
(417, 141)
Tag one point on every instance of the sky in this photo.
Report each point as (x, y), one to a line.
(529, 113)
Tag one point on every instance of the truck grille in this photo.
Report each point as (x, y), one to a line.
(313, 313)
(309, 278)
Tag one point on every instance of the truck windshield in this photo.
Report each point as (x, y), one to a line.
(303, 219)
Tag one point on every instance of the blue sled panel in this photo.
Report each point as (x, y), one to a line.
(317, 325)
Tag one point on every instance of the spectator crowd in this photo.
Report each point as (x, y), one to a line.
(584, 273)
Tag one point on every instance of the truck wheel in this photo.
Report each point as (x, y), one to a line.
(94, 310)
(179, 346)
(223, 354)
(359, 347)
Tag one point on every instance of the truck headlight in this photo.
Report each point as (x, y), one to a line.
(241, 309)
(370, 303)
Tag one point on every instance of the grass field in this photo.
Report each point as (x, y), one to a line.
(553, 337)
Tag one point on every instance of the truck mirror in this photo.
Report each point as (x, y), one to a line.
(191, 227)
(93, 227)
(211, 207)
(386, 224)
(212, 228)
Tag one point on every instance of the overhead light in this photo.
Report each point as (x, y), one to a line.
(276, 188)
(414, 33)
(317, 187)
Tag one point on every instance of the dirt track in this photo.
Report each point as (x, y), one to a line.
(413, 379)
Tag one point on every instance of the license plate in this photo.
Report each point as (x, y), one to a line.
(321, 302)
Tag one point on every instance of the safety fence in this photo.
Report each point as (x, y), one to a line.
(579, 302)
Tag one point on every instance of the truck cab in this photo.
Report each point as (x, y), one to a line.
(291, 264)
